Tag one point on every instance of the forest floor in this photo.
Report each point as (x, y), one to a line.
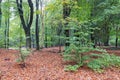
(48, 64)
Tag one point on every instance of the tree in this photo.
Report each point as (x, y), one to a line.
(42, 30)
(7, 23)
(26, 25)
(37, 26)
(66, 14)
(0, 13)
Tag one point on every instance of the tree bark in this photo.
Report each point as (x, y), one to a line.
(26, 26)
(0, 13)
(106, 35)
(37, 26)
(59, 34)
(7, 33)
(42, 25)
(66, 14)
(28, 38)
(46, 41)
(7, 21)
(116, 40)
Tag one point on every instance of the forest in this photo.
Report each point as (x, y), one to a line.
(59, 39)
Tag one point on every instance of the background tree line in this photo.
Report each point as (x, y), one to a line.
(42, 23)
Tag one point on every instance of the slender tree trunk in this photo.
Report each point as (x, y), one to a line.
(7, 33)
(106, 40)
(51, 40)
(92, 35)
(33, 41)
(0, 13)
(42, 25)
(46, 41)
(67, 36)
(116, 40)
(106, 32)
(37, 26)
(66, 14)
(8, 26)
(8, 22)
(60, 44)
(93, 39)
(20, 39)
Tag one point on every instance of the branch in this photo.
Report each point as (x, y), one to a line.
(20, 10)
(31, 13)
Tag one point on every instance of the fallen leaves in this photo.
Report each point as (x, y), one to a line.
(47, 65)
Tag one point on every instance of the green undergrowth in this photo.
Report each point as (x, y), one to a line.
(103, 61)
(22, 56)
(97, 62)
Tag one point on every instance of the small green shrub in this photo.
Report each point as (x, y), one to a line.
(72, 54)
(22, 56)
(71, 67)
(76, 54)
(103, 61)
(97, 62)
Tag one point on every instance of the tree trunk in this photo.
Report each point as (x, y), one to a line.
(106, 34)
(116, 40)
(7, 33)
(8, 21)
(0, 13)
(37, 26)
(93, 40)
(42, 24)
(20, 39)
(67, 43)
(33, 42)
(46, 41)
(106, 42)
(28, 38)
(26, 26)
(66, 14)
(59, 34)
